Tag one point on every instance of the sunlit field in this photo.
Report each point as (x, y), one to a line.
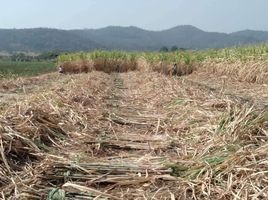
(136, 125)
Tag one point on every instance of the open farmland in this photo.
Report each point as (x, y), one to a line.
(129, 129)
(25, 68)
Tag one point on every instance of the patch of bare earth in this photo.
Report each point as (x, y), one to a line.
(135, 136)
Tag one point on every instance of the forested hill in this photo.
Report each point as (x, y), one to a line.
(122, 38)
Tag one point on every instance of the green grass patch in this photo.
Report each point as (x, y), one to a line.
(176, 103)
(16, 68)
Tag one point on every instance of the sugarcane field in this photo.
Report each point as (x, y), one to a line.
(134, 100)
(141, 125)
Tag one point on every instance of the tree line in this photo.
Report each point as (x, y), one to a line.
(24, 57)
(172, 49)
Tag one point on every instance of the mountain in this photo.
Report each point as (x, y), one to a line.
(259, 35)
(122, 38)
(133, 38)
(42, 39)
(190, 37)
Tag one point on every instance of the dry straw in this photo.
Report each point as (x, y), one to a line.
(133, 135)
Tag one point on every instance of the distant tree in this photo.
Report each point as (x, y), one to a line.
(164, 49)
(50, 55)
(182, 49)
(20, 57)
(174, 48)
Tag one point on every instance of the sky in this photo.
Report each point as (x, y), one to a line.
(209, 15)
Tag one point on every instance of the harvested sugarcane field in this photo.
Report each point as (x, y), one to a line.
(121, 125)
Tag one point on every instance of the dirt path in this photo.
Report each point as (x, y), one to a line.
(125, 156)
(134, 136)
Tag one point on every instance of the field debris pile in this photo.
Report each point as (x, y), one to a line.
(133, 135)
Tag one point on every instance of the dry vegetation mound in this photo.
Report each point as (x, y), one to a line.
(252, 71)
(76, 67)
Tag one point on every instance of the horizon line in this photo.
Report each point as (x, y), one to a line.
(129, 26)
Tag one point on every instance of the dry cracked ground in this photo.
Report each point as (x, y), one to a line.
(133, 136)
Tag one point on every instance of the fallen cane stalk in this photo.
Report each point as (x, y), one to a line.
(70, 187)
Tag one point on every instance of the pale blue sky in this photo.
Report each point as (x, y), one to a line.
(209, 15)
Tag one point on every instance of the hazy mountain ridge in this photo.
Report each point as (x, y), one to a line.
(122, 38)
(42, 39)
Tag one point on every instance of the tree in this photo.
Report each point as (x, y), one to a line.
(182, 49)
(174, 48)
(164, 49)
(50, 55)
